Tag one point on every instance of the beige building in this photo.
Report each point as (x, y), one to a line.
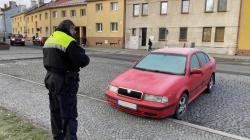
(106, 23)
(211, 25)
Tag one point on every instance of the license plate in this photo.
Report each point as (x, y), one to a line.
(127, 104)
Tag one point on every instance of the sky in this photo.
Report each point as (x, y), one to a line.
(19, 2)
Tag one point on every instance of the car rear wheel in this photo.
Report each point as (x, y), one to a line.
(210, 84)
(181, 107)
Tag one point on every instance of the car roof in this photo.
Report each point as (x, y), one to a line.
(182, 51)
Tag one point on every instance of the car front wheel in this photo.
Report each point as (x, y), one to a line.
(181, 107)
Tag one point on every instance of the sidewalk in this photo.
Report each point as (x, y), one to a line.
(97, 119)
(144, 52)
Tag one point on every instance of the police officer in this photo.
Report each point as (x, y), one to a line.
(63, 58)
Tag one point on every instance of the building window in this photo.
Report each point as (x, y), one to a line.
(145, 9)
(164, 7)
(41, 30)
(207, 33)
(222, 5)
(54, 14)
(209, 6)
(31, 18)
(40, 16)
(162, 34)
(114, 6)
(133, 31)
(73, 13)
(35, 16)
(83, 12)
(99, 27)
(185, 6)
(219, 34)
(32, 30)
(46, 15)
(114, 26)
(47, 30)
(64, 14)
(136, 10)
(183, 34)
(99, 7)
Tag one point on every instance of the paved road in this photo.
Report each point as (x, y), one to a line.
(226, 109)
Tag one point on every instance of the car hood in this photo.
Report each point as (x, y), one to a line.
(147, 82)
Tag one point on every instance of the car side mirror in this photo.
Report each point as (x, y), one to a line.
(196, 71)
(135, 62)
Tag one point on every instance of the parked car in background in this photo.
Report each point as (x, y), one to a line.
(39, 41)
(17, 39)
(163, 83)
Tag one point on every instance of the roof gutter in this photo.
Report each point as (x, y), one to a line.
(238, 33)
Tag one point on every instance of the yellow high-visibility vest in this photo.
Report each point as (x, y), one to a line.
(58, 40)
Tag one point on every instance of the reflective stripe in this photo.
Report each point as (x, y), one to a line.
(56, 46)
(58, 38)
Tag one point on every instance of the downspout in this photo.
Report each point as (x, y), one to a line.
(238, 33)
(50, 21)
(124, 24)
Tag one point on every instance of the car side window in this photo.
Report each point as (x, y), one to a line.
(204, 59)
(194, 62)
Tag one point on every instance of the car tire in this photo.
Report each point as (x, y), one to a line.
(181, 107)
(210, 84)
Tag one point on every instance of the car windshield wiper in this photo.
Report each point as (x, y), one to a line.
(165, 72)
(141, 69)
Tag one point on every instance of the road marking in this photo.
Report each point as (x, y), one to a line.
(172, 120)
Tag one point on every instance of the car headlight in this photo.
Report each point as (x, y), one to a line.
(154, 98)
(23, 39)
(113, 88)
(13, 39)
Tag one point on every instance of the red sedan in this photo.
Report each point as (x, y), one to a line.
(163, 83)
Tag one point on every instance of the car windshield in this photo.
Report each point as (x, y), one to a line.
(18, 36)
(163, 63)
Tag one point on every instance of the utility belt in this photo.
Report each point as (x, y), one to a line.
(67, 73)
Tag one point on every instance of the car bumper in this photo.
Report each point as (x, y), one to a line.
(143, 108)
(17, 42)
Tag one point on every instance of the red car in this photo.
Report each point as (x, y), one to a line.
(163, 83)
(17, 39)
(39, 41)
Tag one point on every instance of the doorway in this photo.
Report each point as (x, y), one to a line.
(143, 36)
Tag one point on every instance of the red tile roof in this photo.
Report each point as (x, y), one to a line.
(58, 3)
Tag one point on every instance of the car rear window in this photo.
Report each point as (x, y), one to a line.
(163, 63)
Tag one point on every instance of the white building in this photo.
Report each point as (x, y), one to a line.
(211, 25)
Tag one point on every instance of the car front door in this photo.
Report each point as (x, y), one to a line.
(205, 66)
(195, 80)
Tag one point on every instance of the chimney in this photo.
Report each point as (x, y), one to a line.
(12, 3)
(33, 3)
(40, 2)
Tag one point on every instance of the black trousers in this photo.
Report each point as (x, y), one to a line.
(63, 104)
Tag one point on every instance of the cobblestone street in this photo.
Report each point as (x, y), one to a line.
(226, 109)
